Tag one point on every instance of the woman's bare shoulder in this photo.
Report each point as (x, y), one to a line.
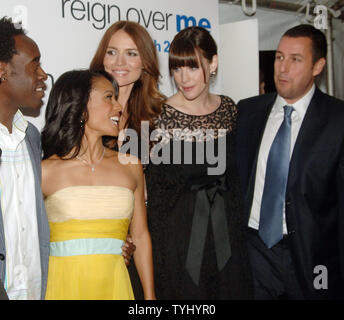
(51, 162)
(55, 164)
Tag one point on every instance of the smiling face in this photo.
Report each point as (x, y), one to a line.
(122, 59)
(190, 81)
(103, 109)
(294, 69)
(25, 84)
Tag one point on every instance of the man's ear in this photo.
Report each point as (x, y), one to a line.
(319, 66)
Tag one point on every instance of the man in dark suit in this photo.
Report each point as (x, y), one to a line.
(290, 148)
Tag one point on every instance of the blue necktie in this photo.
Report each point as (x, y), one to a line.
(277, 168)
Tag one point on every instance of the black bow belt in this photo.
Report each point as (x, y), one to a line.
(209, 202)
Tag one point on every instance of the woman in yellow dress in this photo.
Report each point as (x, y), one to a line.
(92, 196)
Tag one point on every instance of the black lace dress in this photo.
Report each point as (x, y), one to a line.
(199, 249)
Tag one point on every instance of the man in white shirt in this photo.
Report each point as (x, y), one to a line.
(24, 229)
(290, 151)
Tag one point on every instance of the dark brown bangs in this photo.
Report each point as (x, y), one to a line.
(176, 62)
(182, 55)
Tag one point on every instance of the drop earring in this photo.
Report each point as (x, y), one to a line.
(3, 78)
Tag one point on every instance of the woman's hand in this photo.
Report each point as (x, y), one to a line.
(128, 249)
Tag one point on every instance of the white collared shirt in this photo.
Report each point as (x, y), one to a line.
(272, 125)
(18, 206)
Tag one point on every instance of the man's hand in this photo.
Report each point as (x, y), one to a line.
(128, 249)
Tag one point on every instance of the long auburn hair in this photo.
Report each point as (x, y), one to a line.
(66, 113)
(145, 100)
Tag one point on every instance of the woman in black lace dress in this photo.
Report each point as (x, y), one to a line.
(194, 203)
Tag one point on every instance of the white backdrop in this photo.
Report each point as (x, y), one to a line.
(239, 59)
(68, 31)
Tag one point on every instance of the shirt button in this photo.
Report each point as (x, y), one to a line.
(2, 256)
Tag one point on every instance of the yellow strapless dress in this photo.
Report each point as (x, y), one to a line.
(88, 226)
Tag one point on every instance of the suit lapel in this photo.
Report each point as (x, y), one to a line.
(42, 223)
(313, 122)
(33, 152)
(257, 120)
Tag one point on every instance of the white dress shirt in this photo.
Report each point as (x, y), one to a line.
(18, 206)
(272, 125)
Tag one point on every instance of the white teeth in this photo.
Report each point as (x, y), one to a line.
(114, 120)
(39, 89)
(121, 72)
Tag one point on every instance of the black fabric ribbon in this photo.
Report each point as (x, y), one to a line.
(209, 202)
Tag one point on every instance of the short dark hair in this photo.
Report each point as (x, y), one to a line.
(319, 43)
(8, 30)
(187, 44)
(66, 112)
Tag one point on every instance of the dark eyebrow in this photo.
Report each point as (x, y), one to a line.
(297, 54)
(292, 54)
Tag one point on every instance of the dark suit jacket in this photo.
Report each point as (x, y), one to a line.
(314, 199)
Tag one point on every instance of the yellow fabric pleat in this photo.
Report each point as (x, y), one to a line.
(81, 229)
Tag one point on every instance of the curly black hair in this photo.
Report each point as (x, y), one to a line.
(8, 30)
